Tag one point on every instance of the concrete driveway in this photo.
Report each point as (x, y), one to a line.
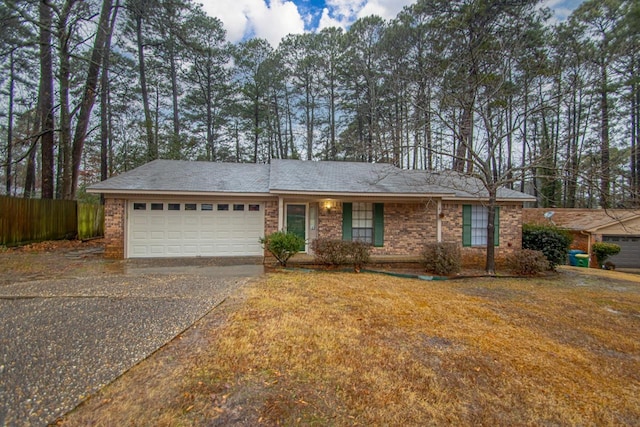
(63, 339)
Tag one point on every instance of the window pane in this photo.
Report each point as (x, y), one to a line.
(206, 207)
(362, 222)
(139, 206)
(223, 207)
(173, 206)
(364, 235)
(238, 207)
(190, 206)
(254, 208)
(157, 206)
(479, 222)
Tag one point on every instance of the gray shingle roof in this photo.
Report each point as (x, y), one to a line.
(296, 176)
(345, 177)
(185, 176)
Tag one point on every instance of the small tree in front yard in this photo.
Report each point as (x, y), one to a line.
(282, 245)
(603, 250)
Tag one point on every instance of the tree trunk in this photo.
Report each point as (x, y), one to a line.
(8, 171)
(256, 128)
(490, 265)
(464, 140)
(174, 98)
(635, 139)
(605, 180)
(89, 95)
(152, 146)
(104, 100)
(46, 102)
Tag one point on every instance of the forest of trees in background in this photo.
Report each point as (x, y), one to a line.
(497, 89)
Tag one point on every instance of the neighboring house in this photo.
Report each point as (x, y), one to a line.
(186, 209)
(619, 226)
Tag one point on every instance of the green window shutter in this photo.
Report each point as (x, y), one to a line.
(346, 221)
(466, 225)
(496, 231)
(378, 224)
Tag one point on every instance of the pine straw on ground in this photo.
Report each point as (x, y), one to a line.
(366, 349)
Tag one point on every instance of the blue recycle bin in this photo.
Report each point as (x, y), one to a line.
(573, 261)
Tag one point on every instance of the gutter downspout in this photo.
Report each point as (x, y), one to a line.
(586, 233)
(280, 213)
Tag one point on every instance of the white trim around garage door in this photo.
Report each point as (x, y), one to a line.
(179, 228)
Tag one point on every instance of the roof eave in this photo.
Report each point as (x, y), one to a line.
(610, 223)
(181, 193)
(484, 198)
(357, 194)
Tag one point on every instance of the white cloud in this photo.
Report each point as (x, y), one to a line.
(274, 19)
(342, 13)
(254, 18)
(327, 21)
(387, 9)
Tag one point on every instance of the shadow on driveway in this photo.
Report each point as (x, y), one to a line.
(64, 338)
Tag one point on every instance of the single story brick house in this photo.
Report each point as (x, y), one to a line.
(169, 208)
(587, 226)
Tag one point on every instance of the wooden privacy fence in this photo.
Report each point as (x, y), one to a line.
(34, 220)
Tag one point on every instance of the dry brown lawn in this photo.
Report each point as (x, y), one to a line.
(366, 349)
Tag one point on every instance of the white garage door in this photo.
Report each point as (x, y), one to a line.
(189, 229)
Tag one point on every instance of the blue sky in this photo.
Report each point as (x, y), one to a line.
(273, 19)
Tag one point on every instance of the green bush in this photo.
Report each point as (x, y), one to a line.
(442, 258)
(282, 245)
(603, 250)
(341, 252)
(527, 262)
(551, 241)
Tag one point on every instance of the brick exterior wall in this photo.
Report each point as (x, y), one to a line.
(114, 228)
(475, 257)
(270, 217)
(270, 224)
(407, 228)
(330, 223)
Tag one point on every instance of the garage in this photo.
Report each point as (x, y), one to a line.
(629, 256)
(157, 228)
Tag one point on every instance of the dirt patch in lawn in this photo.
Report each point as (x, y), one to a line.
(369, 349)
(53, 259)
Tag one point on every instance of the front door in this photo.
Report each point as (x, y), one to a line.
(297, 221)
